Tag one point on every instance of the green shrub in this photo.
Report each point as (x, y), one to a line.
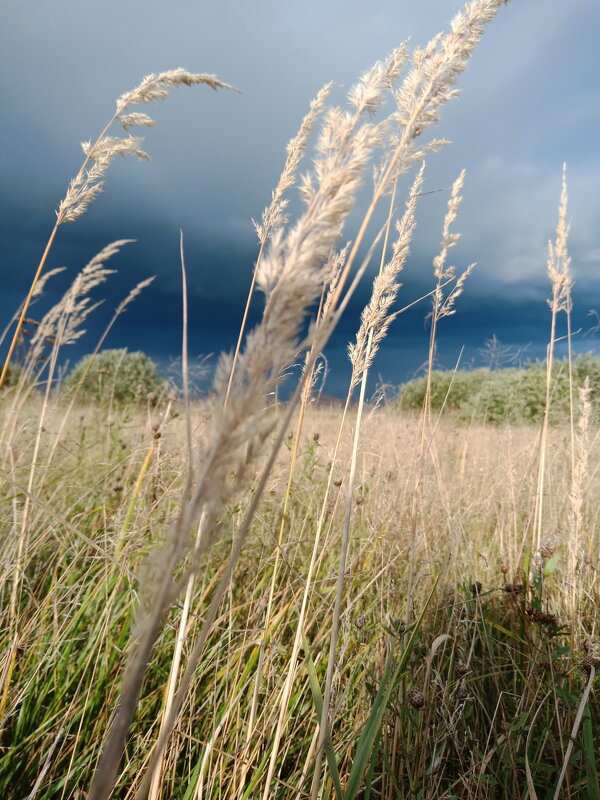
(498, 399)
(455, 388)
(506, 395)
(13, 374)
(125, 377)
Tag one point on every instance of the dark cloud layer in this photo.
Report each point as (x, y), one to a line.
(529, 102)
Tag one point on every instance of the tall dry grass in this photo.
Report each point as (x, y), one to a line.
(195, 611)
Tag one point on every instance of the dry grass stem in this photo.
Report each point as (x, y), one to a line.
(561, 282)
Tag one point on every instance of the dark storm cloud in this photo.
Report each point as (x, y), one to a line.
(529, 102)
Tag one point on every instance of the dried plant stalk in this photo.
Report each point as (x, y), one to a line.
(577, 554)
(559, 273)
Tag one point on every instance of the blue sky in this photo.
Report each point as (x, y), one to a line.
(530, 100)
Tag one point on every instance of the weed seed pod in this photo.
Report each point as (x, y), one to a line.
(513, 588)
(588, 662)
(542, 618)
(462, 692)
(415, 698)
(476, 587)
(548, 547)
(460, 670)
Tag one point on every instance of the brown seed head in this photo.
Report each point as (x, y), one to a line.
(462, 692)
(415, 698)
(513, 588)
(548, 547)
(588, 662)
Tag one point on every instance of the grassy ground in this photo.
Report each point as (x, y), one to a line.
(470, 650)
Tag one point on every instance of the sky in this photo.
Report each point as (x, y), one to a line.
(530, 100)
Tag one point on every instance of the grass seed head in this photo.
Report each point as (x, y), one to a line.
(415, 698)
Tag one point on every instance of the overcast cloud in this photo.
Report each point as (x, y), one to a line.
(529, 101)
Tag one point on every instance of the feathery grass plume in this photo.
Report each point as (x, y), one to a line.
(75, 306)
(156, 87)
(340, 127)
(135, 120)
(371, 90)
(274, 216)
(376, 316)
(443, 305)
(62, 324)
(334, 268)
(38, 291)
(559, 261)
(137, 290)
(41, 284)
(437, 71)
(428, 85)
(559, 273)
(88, 182)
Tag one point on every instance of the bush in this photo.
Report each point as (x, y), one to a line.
(117, 374)
(506, 395)
(455, 388)
(13, 374)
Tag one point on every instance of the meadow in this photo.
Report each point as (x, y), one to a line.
(235, 596)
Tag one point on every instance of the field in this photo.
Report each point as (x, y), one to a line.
(238, 596)
(494, 672)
